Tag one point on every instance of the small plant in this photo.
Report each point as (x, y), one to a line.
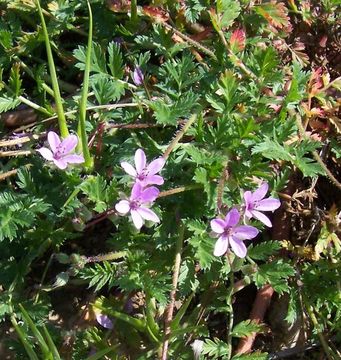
(169, 175)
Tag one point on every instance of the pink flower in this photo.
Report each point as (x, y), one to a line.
(136, 205)
(60, 152)
(255, 203)
(104, 321)
(143, 173)
(231, 234)
(138, 76)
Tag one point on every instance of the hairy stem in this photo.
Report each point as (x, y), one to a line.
(170, 309)
(179, 135)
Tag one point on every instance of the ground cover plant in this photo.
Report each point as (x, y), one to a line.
(170, 179)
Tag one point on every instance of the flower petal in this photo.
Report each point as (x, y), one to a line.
(247, 198)
(248, 214)
(232, 217)
(45, 153)
(244, 232)
(148, 214)
(54, 140)
(137, 219)
(156, 165)
(238, 247)
(73, 159)
(60, 163)
(260, 192)
(220, 246)
(138, 76)
(122, 206)
(129, 169)
(104, 321)
(140, 160)
(153, 179)
(136, 191)
(149, 194)
(261, 217)
(218, 225)
(68, 144)
(269, 204)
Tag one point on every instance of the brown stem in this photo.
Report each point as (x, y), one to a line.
(258, 311)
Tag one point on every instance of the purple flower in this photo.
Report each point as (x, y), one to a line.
(230, 234)
(136, 205)
(104, 321)
(138, 76)
(143, 173)
(255, 203)
(60, 152)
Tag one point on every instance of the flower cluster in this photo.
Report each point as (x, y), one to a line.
(228, 230)
(142, 194)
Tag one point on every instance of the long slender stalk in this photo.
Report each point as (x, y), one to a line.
(133, 11)
(88, 163)
(169, 314)
(28, 347)
(57, 98)
(229, 304)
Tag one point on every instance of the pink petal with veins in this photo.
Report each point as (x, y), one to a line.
(54, 140)
(140, 160)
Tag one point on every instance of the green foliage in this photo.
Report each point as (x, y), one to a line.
(275, 273)
(100, 275)
(215, 348)
(271, 149)
(246, 328)
(8, 103)
(264, 250)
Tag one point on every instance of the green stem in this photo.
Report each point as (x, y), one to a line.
(88, 163)
(34, 105)
(58, 100)
(229, 304)
(133, 11)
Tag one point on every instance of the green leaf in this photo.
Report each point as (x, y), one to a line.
(98, 61)
(264, 250)
(115, 63)
(228, 11)
(107, 90)
(193, 10)
(8, 103)
(95, 188)
(203, 246)
(275, 13)
(253, 356)
(271, 149)
(215, 348)
(168, 113)
(246, 328)
(275, 273)
(15, 81)
(100, 275)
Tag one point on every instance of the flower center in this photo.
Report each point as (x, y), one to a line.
(228, 231)
(142, 175)
(60, 152)
(134, 205)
